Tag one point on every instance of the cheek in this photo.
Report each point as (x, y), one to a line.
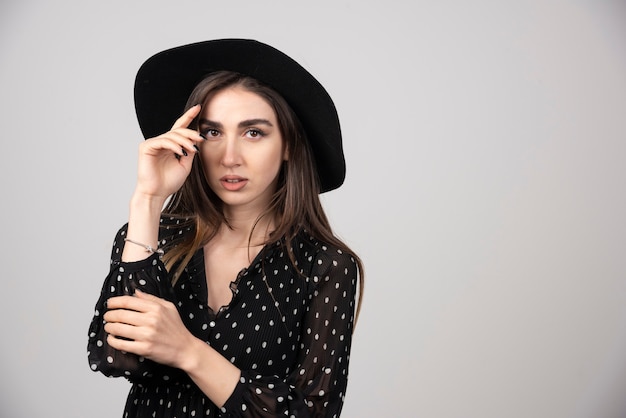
(207, 163)
(274, 159)
(207, 155)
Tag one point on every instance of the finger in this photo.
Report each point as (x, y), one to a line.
(124, 316)
(181, 142)
(155, 146)
(151, 298)
(146, 296)
(187, 117)
(126, 345)
(171, 140)
(190, 134)
(130, 303)
(122, 330)
(186, 138)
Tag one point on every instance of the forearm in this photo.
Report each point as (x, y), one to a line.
(143, 226)
(211, 372)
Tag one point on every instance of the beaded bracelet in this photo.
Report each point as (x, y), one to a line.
(147, 247)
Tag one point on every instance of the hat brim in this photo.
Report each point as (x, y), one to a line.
(165, 81)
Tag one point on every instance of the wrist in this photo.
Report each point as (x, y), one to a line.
(189, 359)
(143, 226)
(216, 376)
(142, 202)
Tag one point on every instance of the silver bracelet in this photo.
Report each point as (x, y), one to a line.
(147, 247)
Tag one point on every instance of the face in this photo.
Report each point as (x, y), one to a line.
(244, 150)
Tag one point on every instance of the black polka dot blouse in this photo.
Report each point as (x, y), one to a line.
(288, 331)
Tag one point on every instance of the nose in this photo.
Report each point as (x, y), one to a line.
(231, 155)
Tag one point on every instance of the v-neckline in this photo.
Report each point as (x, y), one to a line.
(233, 285)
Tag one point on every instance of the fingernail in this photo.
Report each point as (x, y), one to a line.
(202, 135)
(184, 152)
(196, 147)
(177, 156)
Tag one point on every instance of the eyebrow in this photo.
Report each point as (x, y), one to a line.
(242, 124)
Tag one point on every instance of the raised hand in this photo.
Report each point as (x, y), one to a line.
(165, 161)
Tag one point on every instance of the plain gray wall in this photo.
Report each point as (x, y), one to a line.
(485, 144)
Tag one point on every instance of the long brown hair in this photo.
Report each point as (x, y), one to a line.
(295, 205)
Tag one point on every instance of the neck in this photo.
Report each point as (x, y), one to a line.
(244, 229)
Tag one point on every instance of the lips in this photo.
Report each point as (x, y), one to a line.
(233, 183)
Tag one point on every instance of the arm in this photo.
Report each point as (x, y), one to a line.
(164, 164)
(153, 329)
(148, 275)
(154, 325)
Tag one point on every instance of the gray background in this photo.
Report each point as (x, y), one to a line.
(485, 144)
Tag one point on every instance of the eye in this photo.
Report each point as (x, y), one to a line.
(211, 133)
(255, 133)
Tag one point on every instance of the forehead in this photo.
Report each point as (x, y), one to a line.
(236, 101)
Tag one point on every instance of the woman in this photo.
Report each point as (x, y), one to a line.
(236, 299)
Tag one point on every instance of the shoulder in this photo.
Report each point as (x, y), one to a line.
(323, 259)
(331, 273)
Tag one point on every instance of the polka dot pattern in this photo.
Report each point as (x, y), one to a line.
(289, 331)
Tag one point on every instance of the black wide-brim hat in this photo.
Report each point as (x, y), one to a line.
(165, 81)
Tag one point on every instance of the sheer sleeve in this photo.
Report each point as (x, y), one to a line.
(316, 386)
(148, 275)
